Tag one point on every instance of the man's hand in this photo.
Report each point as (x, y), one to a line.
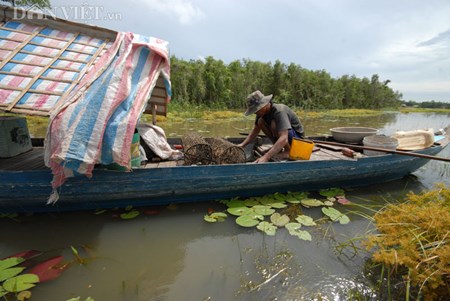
(262, 159)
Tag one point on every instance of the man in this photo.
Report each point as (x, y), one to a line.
(277, 121)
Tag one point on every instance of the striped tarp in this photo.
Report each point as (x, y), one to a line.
(98, 120)
(38, 64)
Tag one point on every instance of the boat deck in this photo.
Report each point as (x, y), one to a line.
(34, 159)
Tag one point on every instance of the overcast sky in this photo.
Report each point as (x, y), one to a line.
(405, 41)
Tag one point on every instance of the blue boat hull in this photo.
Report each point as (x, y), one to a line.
(28, 191)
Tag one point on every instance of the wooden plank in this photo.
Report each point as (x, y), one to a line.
(27, 63)
(56, 47)
(51, 56)
(14, 29)
(167, 164)
(35, 78)
(43, 65)
(32, 159)
(11, 39)
(150, 165)
(43, 35)
(15, 73)
(39, 19)
(56, 79)
(45, 92)
(39, 112)
(31, 90)
(330, 147)
(3, 87)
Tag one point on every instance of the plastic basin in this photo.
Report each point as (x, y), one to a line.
(352, 134)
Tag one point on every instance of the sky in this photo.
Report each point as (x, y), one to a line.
(404, 41)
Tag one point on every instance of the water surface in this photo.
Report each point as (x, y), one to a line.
(175, 255)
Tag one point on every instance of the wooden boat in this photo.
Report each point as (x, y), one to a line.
(25, 181)
(43, 60)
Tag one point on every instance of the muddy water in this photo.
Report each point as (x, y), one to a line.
(170, 253)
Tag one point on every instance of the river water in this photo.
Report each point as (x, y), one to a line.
(171, 253)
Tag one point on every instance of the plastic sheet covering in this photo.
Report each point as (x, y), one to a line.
(97, 123)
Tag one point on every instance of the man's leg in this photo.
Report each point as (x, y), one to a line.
(272, 133)
(268, 132)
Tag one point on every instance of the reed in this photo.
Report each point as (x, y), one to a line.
(412, 244)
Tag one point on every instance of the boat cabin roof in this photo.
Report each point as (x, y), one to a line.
(43, 58)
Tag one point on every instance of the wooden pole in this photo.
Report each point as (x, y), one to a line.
(390, 151)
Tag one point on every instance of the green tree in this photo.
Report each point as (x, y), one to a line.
(40, 3)
(212, 82)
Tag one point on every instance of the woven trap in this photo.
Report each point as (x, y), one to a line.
(196, 150)
(225, 152)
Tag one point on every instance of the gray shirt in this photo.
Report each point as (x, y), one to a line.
(284, 117)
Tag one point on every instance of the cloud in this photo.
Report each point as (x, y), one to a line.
(443, 39)
(184, 11)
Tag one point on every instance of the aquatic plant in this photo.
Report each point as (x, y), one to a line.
(17, 277)
(215, 217)
(413, 243)
(252, 212)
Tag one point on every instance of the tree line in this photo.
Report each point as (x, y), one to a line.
(428, 104)
(213, 83)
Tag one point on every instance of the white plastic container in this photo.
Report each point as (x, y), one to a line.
(14, 136)
(379, 141)
(413, 140)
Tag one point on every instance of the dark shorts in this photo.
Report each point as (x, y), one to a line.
(292, 133)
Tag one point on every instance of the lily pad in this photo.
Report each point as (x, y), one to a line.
(8, 269)
(238, 211)
(267, 200)
(301, 234)
(263, 210)
(9, 273)
(2, 291)
(20, 283)
(328, 203)
(249, 220)
(279, 196)
(235, 203)
(292, 226)
(293, 200)
(251, 202)
(298, 195)
(279, 220)
(294, 230)
(311, 203)
(277, 204)
(130, 214)
(267, 228)
(344, 219)
(215, 217)
(331, 192)
(10, 262)
(335, 215)
(305, 220)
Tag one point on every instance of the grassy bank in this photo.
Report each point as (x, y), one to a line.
(181, 112)
(423, 110)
